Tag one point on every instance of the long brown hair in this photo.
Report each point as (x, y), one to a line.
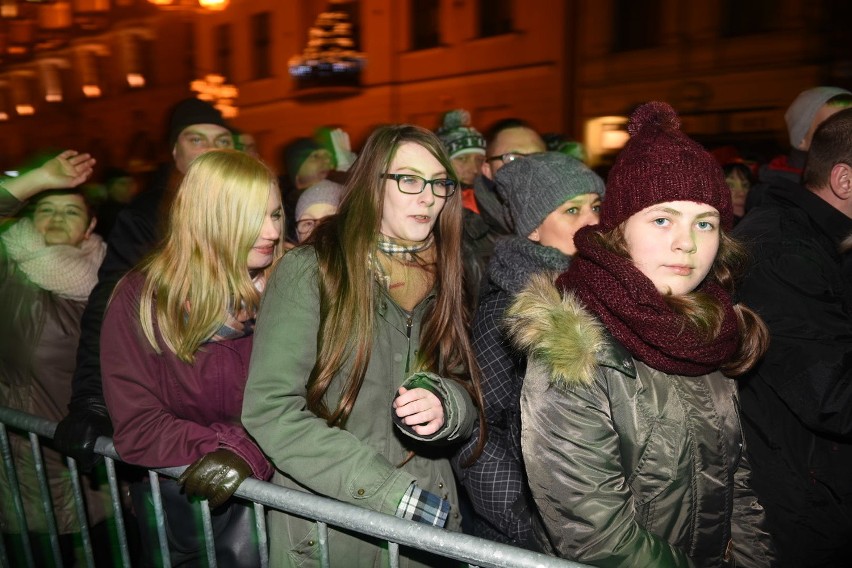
(345, 244)
(704, 312)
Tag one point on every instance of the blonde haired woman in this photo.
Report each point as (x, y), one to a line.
(175, 347)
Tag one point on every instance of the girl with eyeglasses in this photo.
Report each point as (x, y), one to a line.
(363, 375)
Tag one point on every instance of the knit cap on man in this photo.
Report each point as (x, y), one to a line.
(803, 109)
(193, 111)
(534, 186)
(458, 136)
(659, 163)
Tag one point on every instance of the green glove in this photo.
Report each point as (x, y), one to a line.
(215, 476)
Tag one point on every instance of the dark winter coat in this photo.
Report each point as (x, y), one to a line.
(629, 466)
(797, 402)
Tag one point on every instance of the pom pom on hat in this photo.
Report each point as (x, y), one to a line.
(660, 163)
(458, 137)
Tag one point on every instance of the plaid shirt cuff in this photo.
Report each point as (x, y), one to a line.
(423, 507)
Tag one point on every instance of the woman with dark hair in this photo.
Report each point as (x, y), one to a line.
(362, 358)
(630, 430)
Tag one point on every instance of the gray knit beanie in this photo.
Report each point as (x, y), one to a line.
(801, 113)
(534, 186)
(325, 191)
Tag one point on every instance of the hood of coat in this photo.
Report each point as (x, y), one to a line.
(558, 332)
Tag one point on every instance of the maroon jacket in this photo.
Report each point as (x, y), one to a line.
(167, 412)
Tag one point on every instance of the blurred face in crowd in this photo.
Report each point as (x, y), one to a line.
(314, 169)
(246, 143)
(467, 166)
(411, 216)
(310, 217)
(122, 189)
(516, 142)
(196, 139)
(674, 244)
(263, 251)
(63, 219)
(740, 185)
(557, 230)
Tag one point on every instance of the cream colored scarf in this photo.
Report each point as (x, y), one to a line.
(67, 271)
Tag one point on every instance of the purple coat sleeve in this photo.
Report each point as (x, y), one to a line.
(165, 411)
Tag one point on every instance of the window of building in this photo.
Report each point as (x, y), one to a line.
(425, 29)
(747, 18)
(223, 50)
(495, 17)
(260, 45)
(637, 24)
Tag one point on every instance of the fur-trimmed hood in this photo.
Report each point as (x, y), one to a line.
(561, 334)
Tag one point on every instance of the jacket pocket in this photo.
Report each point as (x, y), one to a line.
(657, 467)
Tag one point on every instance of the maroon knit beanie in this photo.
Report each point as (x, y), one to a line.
(660, 163)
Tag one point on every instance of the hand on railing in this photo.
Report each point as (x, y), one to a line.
(77, 433)
(215, 476)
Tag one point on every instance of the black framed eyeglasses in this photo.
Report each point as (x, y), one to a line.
(508, 157)
(412, 184)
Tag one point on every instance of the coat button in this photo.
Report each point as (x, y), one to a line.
(311, 543)
(361, 492)
(397, 357)
(441, 485)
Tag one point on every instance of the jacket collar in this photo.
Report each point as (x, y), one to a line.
(829, 220)
(562, 335)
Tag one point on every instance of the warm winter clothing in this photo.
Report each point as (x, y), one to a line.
(496, 482)
(628, 465)
(167, 412)
(458, 136)
(801, 112)
(660, 163)
(797, 402)
(42, 296)
(365, 462)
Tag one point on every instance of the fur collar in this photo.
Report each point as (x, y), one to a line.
(562, 335)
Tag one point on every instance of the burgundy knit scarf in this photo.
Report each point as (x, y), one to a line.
(636, 314)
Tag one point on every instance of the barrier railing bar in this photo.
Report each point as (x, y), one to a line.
(207, 524)
(80, 510)
(262, 538)
(322, 541)
(118, 512)
(46, 502)
(14, 488)
(160, 518)
(393, 553)
(476, 551)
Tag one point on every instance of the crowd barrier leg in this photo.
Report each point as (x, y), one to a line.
(118, 512)
(80, 510)
(17, 502)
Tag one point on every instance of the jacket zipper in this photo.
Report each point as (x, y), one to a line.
(408, 321)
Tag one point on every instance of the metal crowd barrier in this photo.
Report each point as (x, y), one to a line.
(397, 532)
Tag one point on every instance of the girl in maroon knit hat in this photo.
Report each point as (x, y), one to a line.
(631, 433)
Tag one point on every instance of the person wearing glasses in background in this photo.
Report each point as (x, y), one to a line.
(315, 204)
(508, 140)
(363, 376)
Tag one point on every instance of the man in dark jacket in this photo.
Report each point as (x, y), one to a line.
(810, 108)
(508, 140)
(797, 403)
(195, 127)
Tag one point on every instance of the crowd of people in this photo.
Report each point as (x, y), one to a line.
(473, 331)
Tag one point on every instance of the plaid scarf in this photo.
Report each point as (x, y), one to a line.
(237, 324)
(637, 315)
(406, 269)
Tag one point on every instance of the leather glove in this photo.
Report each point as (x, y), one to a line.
(215, 476)
(76, 434)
